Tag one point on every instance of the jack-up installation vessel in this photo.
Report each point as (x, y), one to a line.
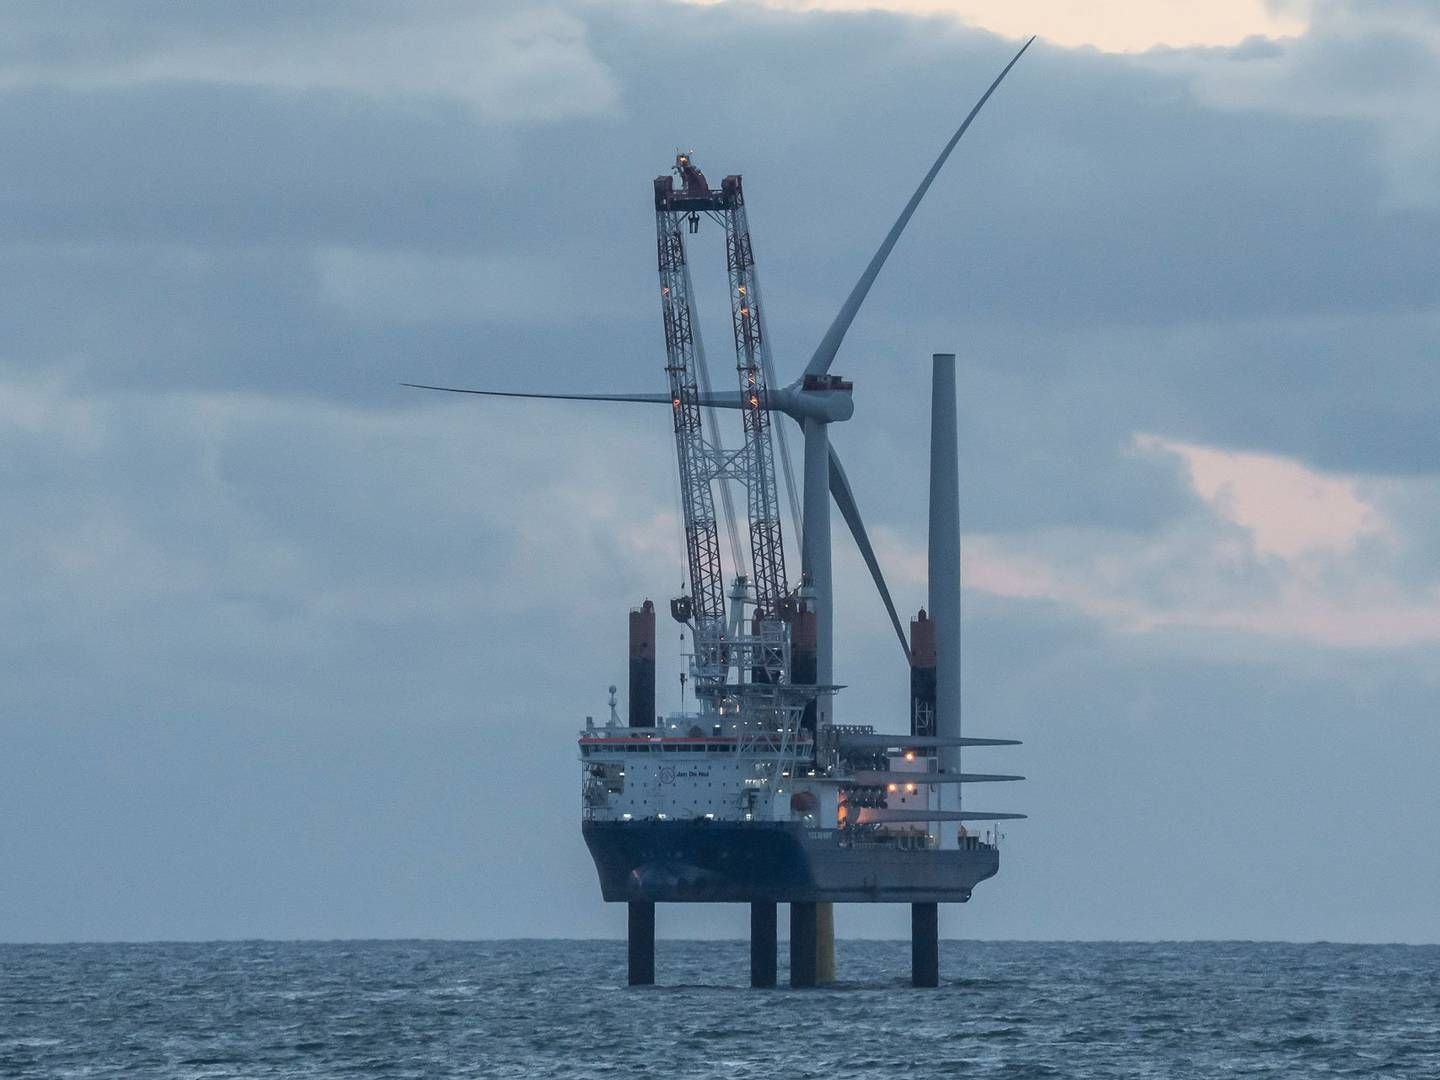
(756, 794)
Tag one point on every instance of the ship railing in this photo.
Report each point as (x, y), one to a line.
(778, 745)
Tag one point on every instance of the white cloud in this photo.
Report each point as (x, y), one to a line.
(1275, 549)
(1372, 62)
(525, 65)
(1110, 25)
(232, 521)
(1288, 510)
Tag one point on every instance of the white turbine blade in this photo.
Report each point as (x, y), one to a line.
(880, 815)
(725, 399)
(877, 741)
(845, 500)
(830, 344)
(657, 399)
(884, 777)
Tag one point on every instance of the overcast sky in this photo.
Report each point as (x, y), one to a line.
(289, 651)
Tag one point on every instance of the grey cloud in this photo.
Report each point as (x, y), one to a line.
(272, 616)
(230, 166)
(507, 62)
(1375, 63)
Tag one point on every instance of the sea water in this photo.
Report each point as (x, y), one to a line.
(562, 1009)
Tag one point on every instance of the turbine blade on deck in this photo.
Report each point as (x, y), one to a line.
(885, 777)
(868, 740)
(881, 777)
(830, 344)
(874, 815)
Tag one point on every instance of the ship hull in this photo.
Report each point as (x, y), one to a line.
(737, 862)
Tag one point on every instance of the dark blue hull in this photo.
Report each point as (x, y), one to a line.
(737, 862)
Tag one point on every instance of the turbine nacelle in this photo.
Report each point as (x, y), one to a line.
(826, 398)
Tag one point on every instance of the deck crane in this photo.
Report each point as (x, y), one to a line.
(702, 462)
(701, 465)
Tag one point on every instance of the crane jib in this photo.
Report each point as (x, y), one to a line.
(767, 552)
(677, 212)
(702, 536)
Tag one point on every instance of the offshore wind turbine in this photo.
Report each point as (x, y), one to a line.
(764, 696)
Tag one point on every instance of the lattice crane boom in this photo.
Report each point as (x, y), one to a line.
(697, 466)
(678, 210)
(767, 550)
